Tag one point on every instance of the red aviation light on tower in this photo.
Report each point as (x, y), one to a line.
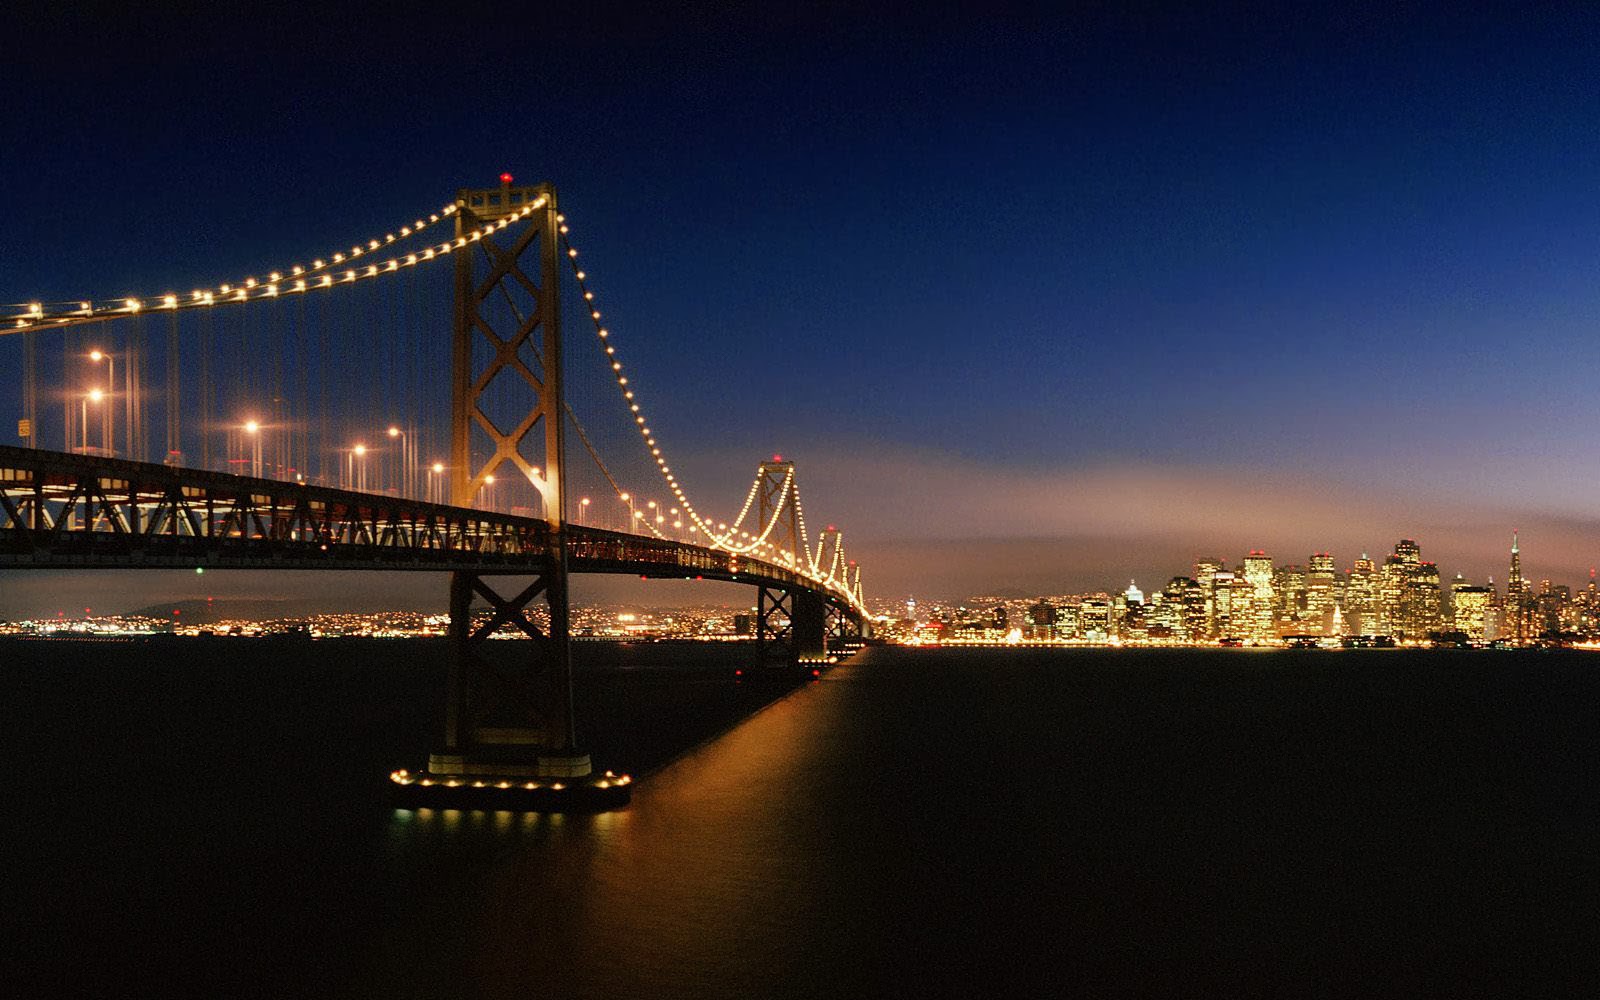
(777, 458)
(506, 179)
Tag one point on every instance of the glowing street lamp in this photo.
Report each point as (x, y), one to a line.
(583, 509)
(253, 429)
(352, 471)
(408, 459)
(93, 396)
(435, 470)
(108, 433)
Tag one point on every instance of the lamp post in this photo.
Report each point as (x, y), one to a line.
(408, 461)
(583, 510)
(435, 470)
(627, 498)
(92, 396)
(253, 429)
(486, 493)
(352, 482)
(107, 430)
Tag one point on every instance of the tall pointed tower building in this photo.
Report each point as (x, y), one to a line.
(1516, 608)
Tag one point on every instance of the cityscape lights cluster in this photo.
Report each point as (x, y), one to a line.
(589, 623)
(1398, 600)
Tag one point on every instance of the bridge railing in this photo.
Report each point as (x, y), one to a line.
(59, 509)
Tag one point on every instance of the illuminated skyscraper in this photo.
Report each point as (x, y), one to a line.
(1183, 607)
(1242, 602)
(1205, 575)
(1392, 579)
(1423, 602)
(1320, 594)
(1405, 609)
(1220, 614)
(1470, 609)
(1288, 598)
(1258, 574)
(1361, 604)
(1094, 619)
(1067, 622)
(1516, 609)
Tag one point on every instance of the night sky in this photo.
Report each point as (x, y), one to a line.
(1037, 302)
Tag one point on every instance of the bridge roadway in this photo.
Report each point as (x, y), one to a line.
(64, 511)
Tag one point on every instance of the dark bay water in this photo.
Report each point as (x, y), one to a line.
(918, 823)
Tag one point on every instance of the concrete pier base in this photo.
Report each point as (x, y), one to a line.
(492, 786)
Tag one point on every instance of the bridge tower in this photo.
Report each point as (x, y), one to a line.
(509, 704)
(791, 625)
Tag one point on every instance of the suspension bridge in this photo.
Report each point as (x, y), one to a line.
(299, 418)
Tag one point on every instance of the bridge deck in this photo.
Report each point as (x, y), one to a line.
(61, 511)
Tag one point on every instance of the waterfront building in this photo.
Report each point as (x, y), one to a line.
(1392, 579)
(1361, 616)
(1041, 620)
(1205, 575)
(1258, 574)
(1423, 600)
(1471, 610)
(1243, 602)
(1219, 611)
(1516, 619)
(1289, 598)
(1094, 619)
(1321, 594)
(1067, 626)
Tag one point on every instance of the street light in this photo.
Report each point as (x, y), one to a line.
(93, 396)
(627, 498)
(107, 431)
(408, 460)
(253, 429)
(436, 469)
(583, 509)
(359, 451)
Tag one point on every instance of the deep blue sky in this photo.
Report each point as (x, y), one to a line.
(1329, 274)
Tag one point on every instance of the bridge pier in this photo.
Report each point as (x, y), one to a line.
(508, 705)
(509, 711)
(509, 734)
(791, 626)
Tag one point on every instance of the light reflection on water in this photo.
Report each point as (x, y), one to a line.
(713, 860)
(1001, 824)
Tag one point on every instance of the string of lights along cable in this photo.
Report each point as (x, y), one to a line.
(724, 535)
(331, 377)
(299, 278)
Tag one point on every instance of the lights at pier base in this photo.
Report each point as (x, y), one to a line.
(593, 793)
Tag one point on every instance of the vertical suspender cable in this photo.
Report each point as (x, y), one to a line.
(206, 390)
